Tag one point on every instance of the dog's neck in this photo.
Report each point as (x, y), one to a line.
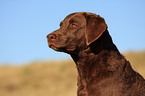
(97, 49)
(97, 53)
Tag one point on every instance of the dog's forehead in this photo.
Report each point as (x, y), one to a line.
(75, 16)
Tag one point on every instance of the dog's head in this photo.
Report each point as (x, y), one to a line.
(77, 31)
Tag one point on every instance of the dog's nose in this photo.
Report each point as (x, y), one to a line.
(51, 37)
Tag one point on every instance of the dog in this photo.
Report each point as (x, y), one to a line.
(102, 69)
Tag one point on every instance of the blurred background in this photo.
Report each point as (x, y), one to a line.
(29, 68)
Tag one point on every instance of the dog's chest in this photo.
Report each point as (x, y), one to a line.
(101, 88)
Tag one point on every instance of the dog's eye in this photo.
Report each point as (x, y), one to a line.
(73, 25)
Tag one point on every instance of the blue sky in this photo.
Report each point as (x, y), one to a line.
(24, 25)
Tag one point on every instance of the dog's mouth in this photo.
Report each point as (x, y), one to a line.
(62, 48)
(72, 48)
(54, 48)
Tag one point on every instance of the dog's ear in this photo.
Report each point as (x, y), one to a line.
(95, 27)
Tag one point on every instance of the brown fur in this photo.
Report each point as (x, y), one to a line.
(102, 70)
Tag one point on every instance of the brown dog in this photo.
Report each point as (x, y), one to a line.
(102, 70)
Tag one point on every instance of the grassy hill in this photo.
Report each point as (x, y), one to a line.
(49, 78)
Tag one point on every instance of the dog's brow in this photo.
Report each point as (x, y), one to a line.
(73, 21)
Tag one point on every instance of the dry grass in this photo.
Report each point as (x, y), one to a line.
(38, 79)
(137, 60)
(49, 78)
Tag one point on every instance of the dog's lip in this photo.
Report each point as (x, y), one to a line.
(72, 48)
(56, 48)
(61, 48)
(53, 47)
